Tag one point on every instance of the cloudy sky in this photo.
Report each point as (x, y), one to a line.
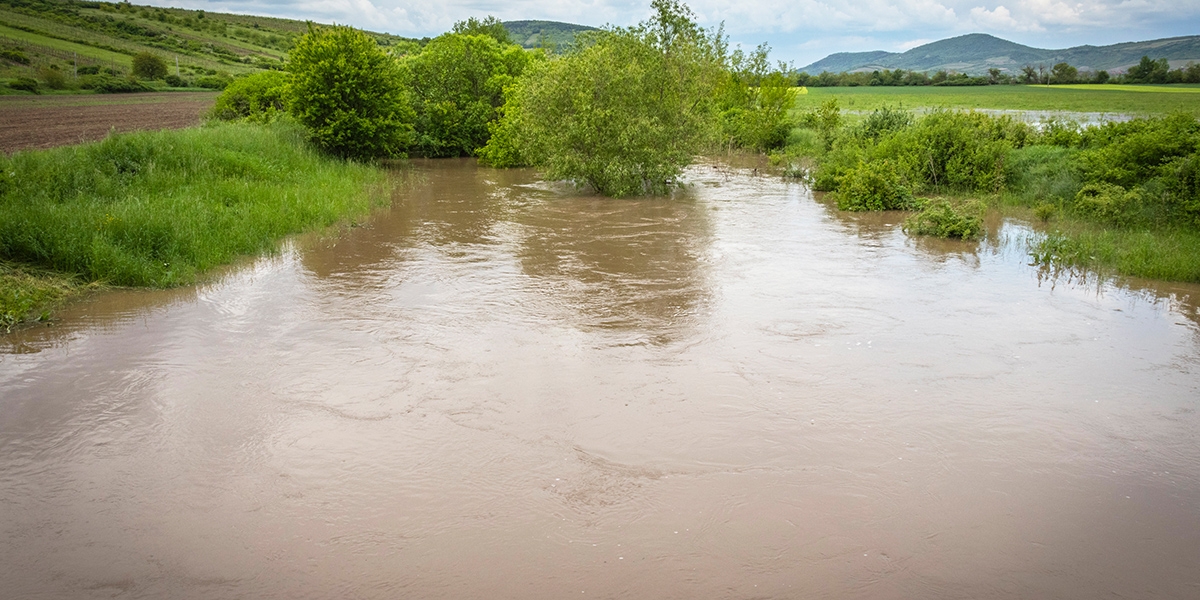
(800, 31)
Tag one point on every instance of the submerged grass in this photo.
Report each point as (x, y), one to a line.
(159, 208)
(1167, 254)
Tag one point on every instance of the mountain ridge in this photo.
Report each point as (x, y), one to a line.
(975, 53)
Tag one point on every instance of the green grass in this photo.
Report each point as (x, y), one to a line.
(160, 208)
(30, 293)
(1081, 98)
(1167, 254)
(84, 51)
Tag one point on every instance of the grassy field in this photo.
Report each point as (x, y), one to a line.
(1129, 99)
(161, 208)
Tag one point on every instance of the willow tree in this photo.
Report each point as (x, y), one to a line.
(624, 111)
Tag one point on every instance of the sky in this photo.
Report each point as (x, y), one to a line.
(798, 31)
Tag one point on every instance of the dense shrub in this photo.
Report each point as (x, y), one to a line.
(147, 65)
(27, 84)
(14, 55)
(213, 82)
(875, 185)
(346, 91)
(175, 81)
(1130, 153)
(1107, 202)
(457, 86)
(258, 97)
(940, 218)
(107, 84)
(88, 70)
(54, 79)
(625, 111)
(1042, 174)
(754, 102)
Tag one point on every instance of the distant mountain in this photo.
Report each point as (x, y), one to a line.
(536, 34)
(975, 53)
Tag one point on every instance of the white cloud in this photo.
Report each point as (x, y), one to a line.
(910, 44)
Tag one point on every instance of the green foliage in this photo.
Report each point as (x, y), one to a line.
(1130, 153)
(488, 26)
(955, 149)
(25, 84)
(875, 185)
(1063, 73)
(457, 87)
(157, 208)
(14, 55)
(147, 65)
(107, 84)
(624, 112)
(175, 81)
(883, 122)
(754, 101)
(1042, 175)
(1149, 71)
(54, 79)
(346, 90)
(258, 97)
(1107, 202)
(943, 219)
(214, 82)
(1168, 254)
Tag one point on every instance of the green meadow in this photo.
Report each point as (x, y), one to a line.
(1131, 99)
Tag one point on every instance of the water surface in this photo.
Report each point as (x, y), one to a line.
(502, 388)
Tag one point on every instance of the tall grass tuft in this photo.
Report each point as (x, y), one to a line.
(158, 208)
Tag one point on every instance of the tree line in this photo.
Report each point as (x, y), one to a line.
(623, 110)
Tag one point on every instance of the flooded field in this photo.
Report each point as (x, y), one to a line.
(502, 389)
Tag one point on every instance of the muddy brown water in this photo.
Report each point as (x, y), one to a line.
(503, 389)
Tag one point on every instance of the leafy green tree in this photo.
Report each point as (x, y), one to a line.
(147, 65)
(457, 85)
(489, 26)
(623, 112)
(1063, 73)
(754, 100)
(1149, 71)
(347, 91)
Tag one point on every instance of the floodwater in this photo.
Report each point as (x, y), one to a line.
(503, 389)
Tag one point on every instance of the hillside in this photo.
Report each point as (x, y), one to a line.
(37, 35)
(975, 53)
(547, 34)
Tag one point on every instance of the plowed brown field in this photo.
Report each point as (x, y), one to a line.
(29, 122)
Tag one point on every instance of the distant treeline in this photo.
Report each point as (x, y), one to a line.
(1147, 71)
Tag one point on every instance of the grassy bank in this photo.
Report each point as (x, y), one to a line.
(160, 208)
(1119, 198)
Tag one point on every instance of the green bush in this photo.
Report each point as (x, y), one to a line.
(457, 85)
(883, 122)
(1181, 177)
(346, 90)
(88, 70)
(942, 219)
(14, 55)
(258, 97)
(625, 111)
(961, 150)
(147, 65)
(214, 82)
(1107, 202)
(27, 84)
(54, 79)
(1130, 153)
(1042, 174)
(875, 185)
(176, 81)
(106, 84)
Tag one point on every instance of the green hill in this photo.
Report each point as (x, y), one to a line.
(975, 53)
(544, 34)
(37, 35)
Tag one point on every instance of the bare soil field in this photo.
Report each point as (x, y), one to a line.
(32, 122)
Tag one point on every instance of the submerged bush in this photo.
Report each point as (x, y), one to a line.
(624, 112)
(875, 185)
(940, 218)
